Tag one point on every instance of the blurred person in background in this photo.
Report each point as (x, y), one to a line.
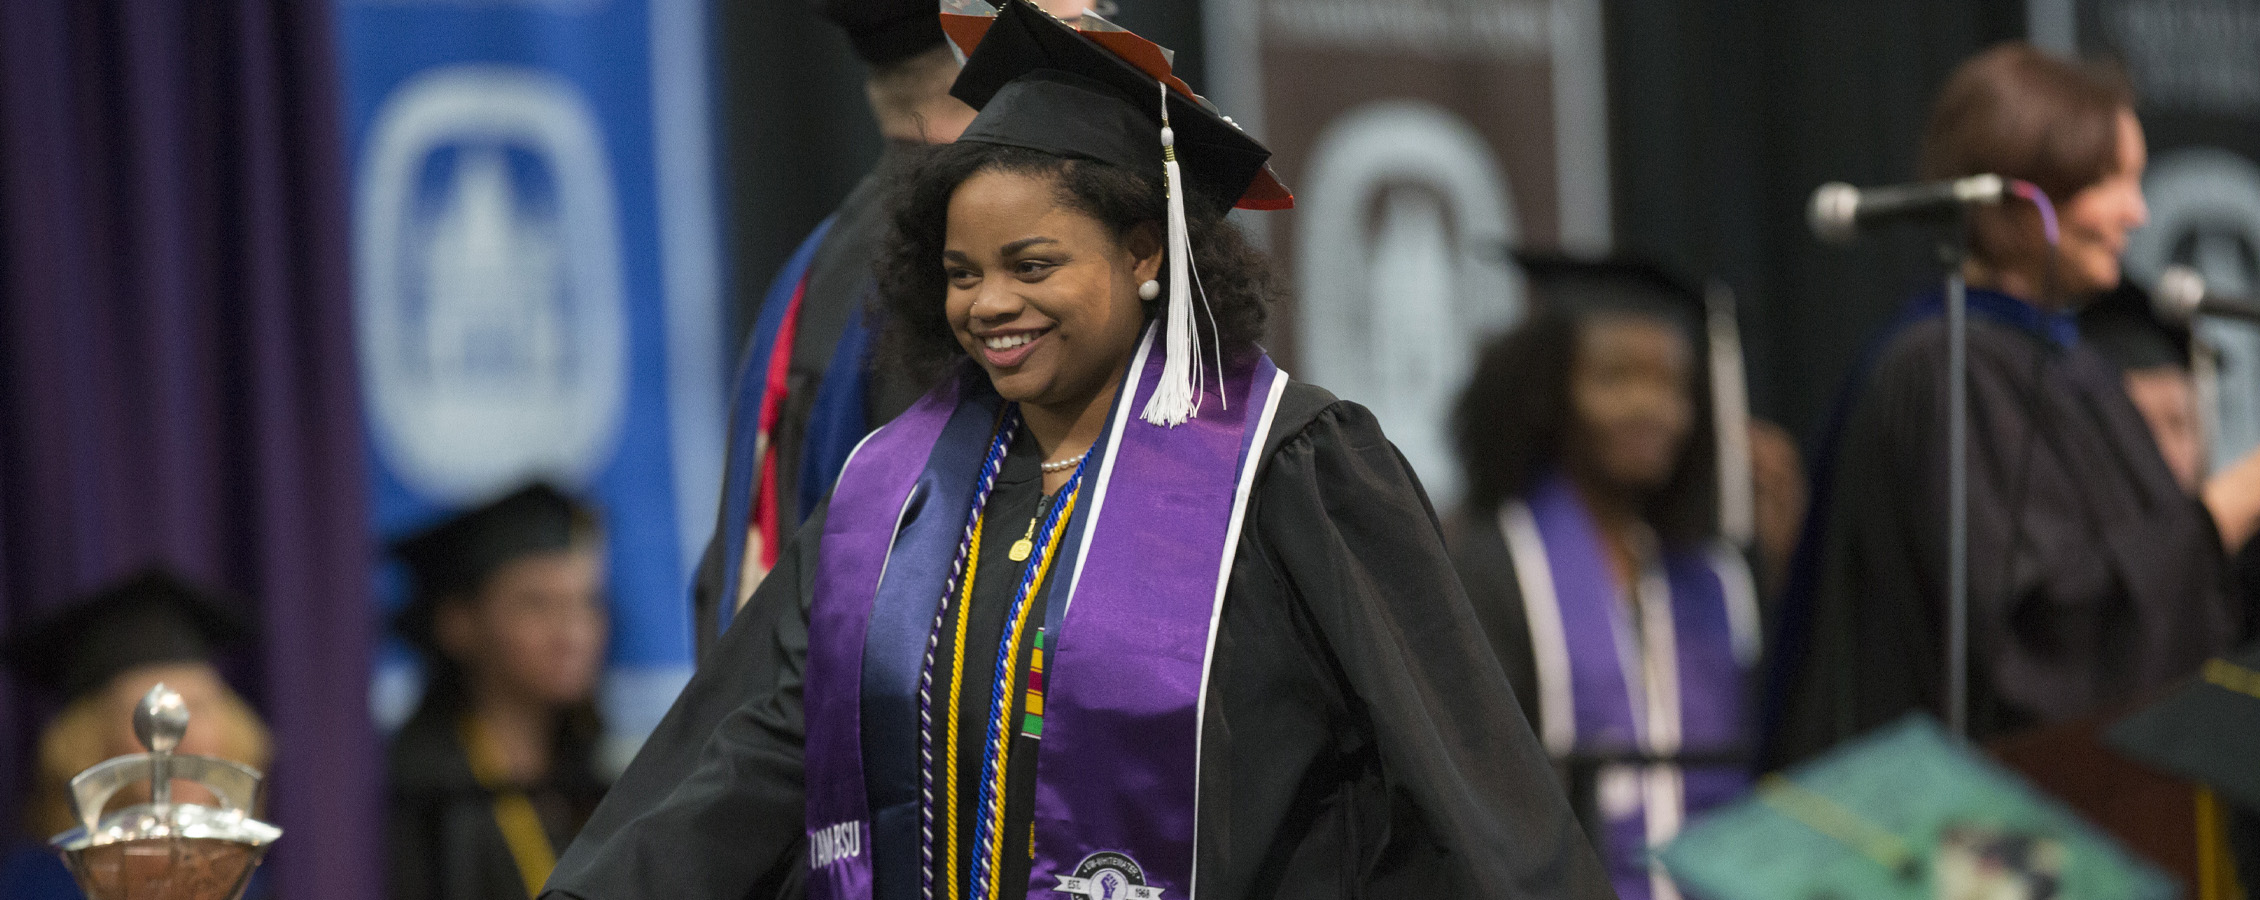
(103, 654)
(1586, 435)
(497, 769)
(806, 391)
(2094, 576)
(2155, 362)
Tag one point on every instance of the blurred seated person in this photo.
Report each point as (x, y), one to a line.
(496, 771)
(1589, 546)
(102, 654)
(2158, 362)
(2154, 359)
(2094, 577)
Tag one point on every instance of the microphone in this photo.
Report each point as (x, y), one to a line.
(2181, 295)
(1839, 210)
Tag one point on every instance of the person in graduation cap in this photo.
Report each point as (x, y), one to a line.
(1588, 440)
(497, 768)
(807, 389)
(102, 654)
(2155, 362)
(2160, 361)
(2093, 576)
(1117, 610)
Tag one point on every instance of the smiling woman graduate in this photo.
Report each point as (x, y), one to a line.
(1118, 610)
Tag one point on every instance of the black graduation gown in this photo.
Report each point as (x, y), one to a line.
(442, 842)
(1487, 570)
(840, 281)
(2093, 578)
(1359, 741)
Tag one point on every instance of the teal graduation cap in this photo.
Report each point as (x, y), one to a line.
(1904, 813)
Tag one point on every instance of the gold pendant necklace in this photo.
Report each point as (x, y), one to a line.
(1027, 543)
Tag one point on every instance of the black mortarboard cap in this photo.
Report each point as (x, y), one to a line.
(2207, 730)
(456, 555)
(151, 616)
(1041, 84)
(2124, 327)
(1641, 285)
(1617, 283)
(886, 31)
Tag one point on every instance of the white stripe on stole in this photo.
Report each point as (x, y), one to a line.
(1121, 416)
(902, 515)
(1741, 591)
(1647, 656)
(1247, 481)
(1662, 784)
(1549, 648)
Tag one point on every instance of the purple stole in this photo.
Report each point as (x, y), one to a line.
(1132, 615)
(1659, 675)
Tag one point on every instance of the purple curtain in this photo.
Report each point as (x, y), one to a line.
(176, 368)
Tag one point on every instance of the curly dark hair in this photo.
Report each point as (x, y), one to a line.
(1512, 421)
(917, 340)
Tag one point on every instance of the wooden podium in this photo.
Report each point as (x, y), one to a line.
(2172, 822)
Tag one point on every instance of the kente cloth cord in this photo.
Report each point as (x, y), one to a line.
(1032, 724)
(959, 572)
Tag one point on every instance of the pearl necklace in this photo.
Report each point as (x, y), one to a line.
(1061, 466)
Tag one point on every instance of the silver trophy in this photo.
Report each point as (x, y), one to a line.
(162, 850)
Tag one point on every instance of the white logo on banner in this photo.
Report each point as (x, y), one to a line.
(1402, 264)
(2205, 212)
(492, 326)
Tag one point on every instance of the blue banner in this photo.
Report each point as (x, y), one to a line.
(537, 289)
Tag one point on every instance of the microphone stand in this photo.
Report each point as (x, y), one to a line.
(1952, 252)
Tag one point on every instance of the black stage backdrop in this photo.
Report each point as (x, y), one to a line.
(1730, 113)
(1725, 114)
(796, 134)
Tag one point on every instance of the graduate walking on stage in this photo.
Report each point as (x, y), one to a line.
(1117, 610)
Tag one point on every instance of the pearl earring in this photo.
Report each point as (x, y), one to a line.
(1149, 290)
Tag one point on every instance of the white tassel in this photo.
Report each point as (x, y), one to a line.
(1183, 375)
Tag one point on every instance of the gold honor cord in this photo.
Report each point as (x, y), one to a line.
(950, 856)
(513, 811)
(1816, 811)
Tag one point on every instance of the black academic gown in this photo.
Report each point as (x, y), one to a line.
(840, 282)
(2093, 578)
(442, 841)
(1360, 741)
(1487, 570)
